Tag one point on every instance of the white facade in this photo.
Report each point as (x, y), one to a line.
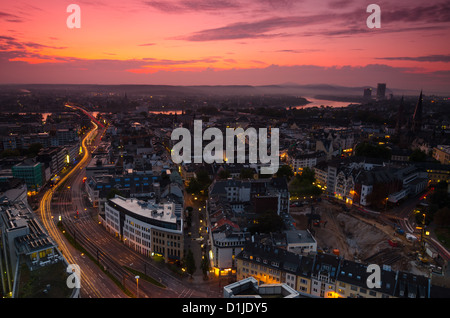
(365, 191)
(147, 227)
(224, 249)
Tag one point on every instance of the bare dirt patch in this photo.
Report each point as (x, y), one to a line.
(360, 238)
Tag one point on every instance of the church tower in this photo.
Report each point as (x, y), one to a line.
(417, 118)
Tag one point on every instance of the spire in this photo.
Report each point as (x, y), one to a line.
(417, 118)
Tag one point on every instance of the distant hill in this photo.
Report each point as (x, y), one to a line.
(219, 90)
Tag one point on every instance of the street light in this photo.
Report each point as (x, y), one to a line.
(137, 285)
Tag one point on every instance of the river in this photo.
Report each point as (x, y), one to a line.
(319, 102)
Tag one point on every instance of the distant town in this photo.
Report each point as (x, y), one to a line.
(93, 206)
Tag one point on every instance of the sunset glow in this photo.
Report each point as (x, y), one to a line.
(205, 42)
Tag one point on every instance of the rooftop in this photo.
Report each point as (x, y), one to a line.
(162, 212)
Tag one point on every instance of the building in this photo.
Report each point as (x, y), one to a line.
(101, 165)
(381, 91)
(98, 187)
(258, 194)
(300, 242)
(298, 161)
(436, 172)
(295, 241)
(249, 288)
(146, 227)
(53, 157)
(225, 246)
(23, 241)
(442, 154)
(417, 117)
(32, 172)
(367, 93)
(352, 277)
(375, 185)
(269, 265)
(326, 276)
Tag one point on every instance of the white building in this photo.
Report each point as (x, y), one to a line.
(300, 242)
(225, 247)
(146, 227)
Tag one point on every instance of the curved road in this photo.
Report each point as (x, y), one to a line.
(111, 253)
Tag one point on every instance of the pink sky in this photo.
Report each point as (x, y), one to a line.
(210, 42)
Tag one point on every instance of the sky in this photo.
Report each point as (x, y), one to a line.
(227, 42)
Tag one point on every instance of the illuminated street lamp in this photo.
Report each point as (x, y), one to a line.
(137, 285)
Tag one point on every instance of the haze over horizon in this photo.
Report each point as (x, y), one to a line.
(231, 42)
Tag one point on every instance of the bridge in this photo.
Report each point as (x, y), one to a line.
(76, 107)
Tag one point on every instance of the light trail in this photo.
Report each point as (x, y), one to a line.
(47, 219)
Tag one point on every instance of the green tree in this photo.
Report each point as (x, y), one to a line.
(205, 265)
(307, 175)
(418, 156)
(189, 262)
(194, 186)
(285, 171)
(33, 150)
(246, 173)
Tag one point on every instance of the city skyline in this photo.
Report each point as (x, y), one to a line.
(244, 42)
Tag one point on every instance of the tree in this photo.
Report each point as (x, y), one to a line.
(33, 150)
(189, 262)
(205, 265)
(442, 217)
(246, 173)
(194, 186)
(285, 171)
(307, 175)
(418, 156)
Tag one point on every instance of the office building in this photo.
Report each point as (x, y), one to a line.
(381, 91)
(32, 172)
(147, 227)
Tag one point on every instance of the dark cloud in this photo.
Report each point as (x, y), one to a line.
(256, 29)
(427, 13)
(10, 17)
(192, 6)
(14, 44)
(345, 23)
(427, 58)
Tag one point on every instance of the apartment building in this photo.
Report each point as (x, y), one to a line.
(442, 154)
(299, 160)
(325, 275)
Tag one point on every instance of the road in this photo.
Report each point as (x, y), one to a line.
(112, 254)
(403, 213)
(91, 278)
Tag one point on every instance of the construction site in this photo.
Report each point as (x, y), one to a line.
(363, 237)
